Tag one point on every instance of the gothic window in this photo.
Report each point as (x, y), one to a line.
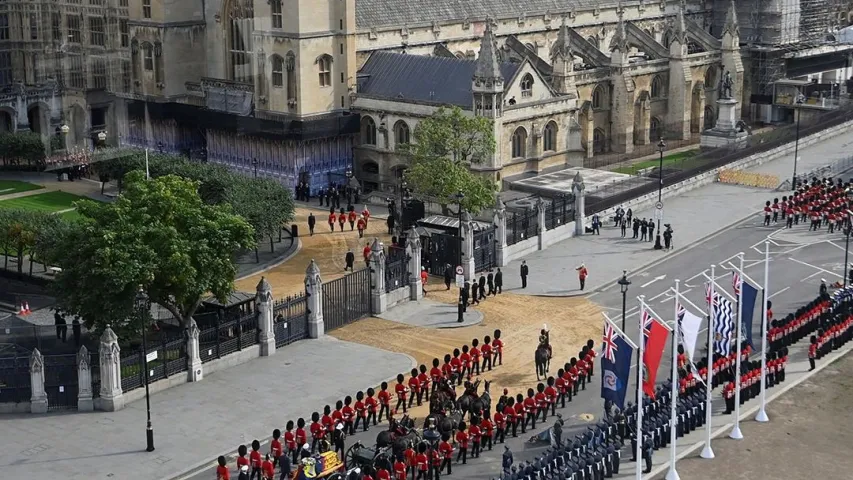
(667, 39)
(240, 26)
(72, 22)
(99, 72)
(275, 6)
(657, 87)
(519, 143)
(125, 76)
(277, 71)
(549, 137)
(146, 8)
(124, 31)
(368, 131)
(655, 130)
(527, 86)
(709, 120)
(39, 66)
(5, 68)
(324, 64)
(4, 26)
(96, 31)
(711, 78)
(290, 66)
(401, 133)
(77, 71)
(598, 99)
(56, 26)
(148, 57)
(34, 27)
(598, 141)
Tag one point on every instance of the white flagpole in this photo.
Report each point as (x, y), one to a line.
(672, 474)
(736, 434)
(762, 413)
(147, 174)
(640, 349)
(708, 452)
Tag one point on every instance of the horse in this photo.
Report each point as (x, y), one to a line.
(444, 423)
(443, 398)
(542, 358)
(472, 403)
(399, 435)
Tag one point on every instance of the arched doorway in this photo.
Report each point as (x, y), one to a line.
(710, 121)
(6, 120)
(37, 118)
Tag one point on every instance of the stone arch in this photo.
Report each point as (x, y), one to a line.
(711, 78)
(402, 133)
(599, 97)
(519, 143)
(397, 171)
(657, 87)
(710, 117)
(599, 141)
(368, 130)
(655, 129)
(38, 116)
(370, 167)
(7, 119)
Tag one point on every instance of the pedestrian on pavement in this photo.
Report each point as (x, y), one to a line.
(525, 271)
(350, 260)
(490, 281)
(312, 220)
(76, 332)
(636, 227)
(61, 327)
(424, 280)
(596, 224)
(667, 236)
(482, 282)
(499, 281)
(448, 275)
(644, 230)
(651, 230)
(624, 227)
(582, 274)
(389, 222)
(822, 288)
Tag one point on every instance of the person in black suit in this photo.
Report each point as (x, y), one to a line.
(524, 272)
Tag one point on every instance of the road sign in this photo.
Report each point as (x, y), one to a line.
(659, 205)
(459, 270)
(659, 214)
(151, 356)
(460, 281)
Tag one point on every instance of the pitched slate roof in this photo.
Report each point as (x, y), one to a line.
(437, 80)
(396, 13)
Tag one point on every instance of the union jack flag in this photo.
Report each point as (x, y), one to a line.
(736, 283)
(609, 349)
(647, 325)
(708, 295)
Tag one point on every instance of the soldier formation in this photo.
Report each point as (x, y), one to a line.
(822, 203)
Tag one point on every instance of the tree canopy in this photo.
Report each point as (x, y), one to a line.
(445, 145)
(160, 234)
(25, 232)
(265, 203)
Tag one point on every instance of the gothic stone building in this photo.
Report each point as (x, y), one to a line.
(619, 75)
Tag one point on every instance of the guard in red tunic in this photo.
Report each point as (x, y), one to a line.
(446, 450)
(348, 416)
(530, 410)
(290, 440)
(551, 397)
(541, 401)
(337, 415)
(486, 351)
(372, 405)
(486, 430)
(520, 414)
(360, 412)
(414, 388)
(365, 214)
(475, 356)
(399, 470)
(402, 392)
(729, 396)
(332, 219)
(435, 463)
(590, 346)
(384, 401)
(474, 437)
(465, 358)
(462, 443)
(301, 437)
(351, 217)
(498, 348)
(456, 367)
(276, 448)
(435, 374)
(812, 352)
(767, 212)
(500, 425)
(423, 384)
(318, 432)
(422, 462)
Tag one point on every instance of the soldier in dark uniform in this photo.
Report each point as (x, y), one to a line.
(635, 226)
(525, 271)
(473, 294)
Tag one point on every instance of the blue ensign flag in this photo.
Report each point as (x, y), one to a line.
(748, 297)
(615, 372)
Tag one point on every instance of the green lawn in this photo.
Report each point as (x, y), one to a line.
(667, 160)
(8, 187)
(44, 202)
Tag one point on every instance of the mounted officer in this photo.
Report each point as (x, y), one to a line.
(545, 340)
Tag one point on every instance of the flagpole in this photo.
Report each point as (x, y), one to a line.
(736, 434)
(640, 349)
(762, 413)
(147, 174)
(672, 474)
(708, 452)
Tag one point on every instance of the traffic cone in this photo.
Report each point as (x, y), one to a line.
(21, 309)
(27, 308)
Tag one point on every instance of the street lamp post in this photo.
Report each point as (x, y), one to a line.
(623, 285)
(800, 101)
(142, 309)
(404, 186)
(661, 148)
(255, 165)
(459, 197)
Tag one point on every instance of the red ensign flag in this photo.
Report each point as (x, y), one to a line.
(652, 355)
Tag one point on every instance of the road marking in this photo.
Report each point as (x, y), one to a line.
(816, 268)
(660, 277)
(777, 293)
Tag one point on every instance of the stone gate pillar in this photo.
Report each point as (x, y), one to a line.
(314, 292)
(500, 232)
(112, 397)
(378, 265)
(466, 229)
(540, 221)
(84, 381)
(414, 250)
(264, 307)
(195, 370)
(38, 399)
(579, 191)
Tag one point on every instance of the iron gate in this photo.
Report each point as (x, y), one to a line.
(291, 319)
(15, 379)
(60, 381)
(439, 251)
(346, 299)
(559, 211)
(484, 249)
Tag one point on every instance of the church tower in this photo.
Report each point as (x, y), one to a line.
(488, 91)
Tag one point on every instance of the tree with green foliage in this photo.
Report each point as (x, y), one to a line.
(20, 231)
(445, 146)
(160, 234)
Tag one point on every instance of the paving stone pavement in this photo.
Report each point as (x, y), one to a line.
(193, 422)
(694, 215)
(432, 314)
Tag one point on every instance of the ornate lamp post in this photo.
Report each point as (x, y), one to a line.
(143, 310)
(623, 285)
(659, 206)
(459, 197)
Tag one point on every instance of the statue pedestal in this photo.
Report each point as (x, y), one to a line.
(726, 131)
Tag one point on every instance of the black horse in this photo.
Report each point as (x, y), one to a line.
(473, 403)
(400, 434)
(443, 399)
(444, 422)
(543, 361)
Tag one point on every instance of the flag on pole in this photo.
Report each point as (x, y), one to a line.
(647, 325)
(748, 299)
(724, 325)
(615, 372)
(689, 329)
(608, 349)
(655, 343)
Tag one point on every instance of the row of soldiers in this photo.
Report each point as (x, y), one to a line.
(822, 202)
(836, 328)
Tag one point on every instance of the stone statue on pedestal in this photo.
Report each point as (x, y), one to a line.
(726, 85)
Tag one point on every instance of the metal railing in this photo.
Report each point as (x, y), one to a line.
(290, 319)
(521, 225)
(396, 274)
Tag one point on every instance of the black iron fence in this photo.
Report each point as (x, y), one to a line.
(221, 339)
(15, 379)
(484, 249)
(607, 196)
(290, 317)
(521, 225)
(559, 211)
(60, 381)
(440, 251)
(48, 339)
(346, 299)
(167, 356)
(396, 274)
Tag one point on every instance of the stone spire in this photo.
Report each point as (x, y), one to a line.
(680, 30)
(488, 66)
(619, 42)
(563, 46)
(731, 27)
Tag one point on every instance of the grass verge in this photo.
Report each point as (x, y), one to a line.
(667, 160)
(8, 187)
